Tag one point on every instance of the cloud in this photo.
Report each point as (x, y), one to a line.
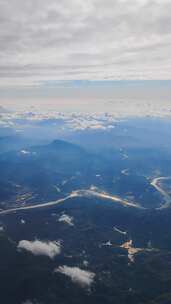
(81, 277)
(24, 152)
(66, 219)
(120, 231)
(50, 249)
(77, 39)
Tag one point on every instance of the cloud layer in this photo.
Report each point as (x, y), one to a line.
(50, 249)
(45, 41)
(82, 277)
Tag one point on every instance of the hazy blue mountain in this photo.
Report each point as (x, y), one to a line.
(107, 207)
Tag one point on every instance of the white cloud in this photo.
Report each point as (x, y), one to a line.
(108, 244)
(66, 219)
(107, 117)
(82, 277)
(24, 152)
(50, 249)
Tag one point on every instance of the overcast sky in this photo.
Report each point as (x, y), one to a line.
(43, 42)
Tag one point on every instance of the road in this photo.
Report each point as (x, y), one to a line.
(77, 193)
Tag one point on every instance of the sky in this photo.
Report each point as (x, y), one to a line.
(71, 48)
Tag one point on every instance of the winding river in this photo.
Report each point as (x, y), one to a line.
(92, 193)
(77, 193)
(156, 184)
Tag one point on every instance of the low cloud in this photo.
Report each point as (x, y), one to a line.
(81, 277)
(66, 219)
(50, 249)
(24, 152)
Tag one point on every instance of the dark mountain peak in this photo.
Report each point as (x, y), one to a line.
(62, 145)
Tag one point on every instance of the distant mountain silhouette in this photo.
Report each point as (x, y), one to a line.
(61, 144)
(40, 167)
